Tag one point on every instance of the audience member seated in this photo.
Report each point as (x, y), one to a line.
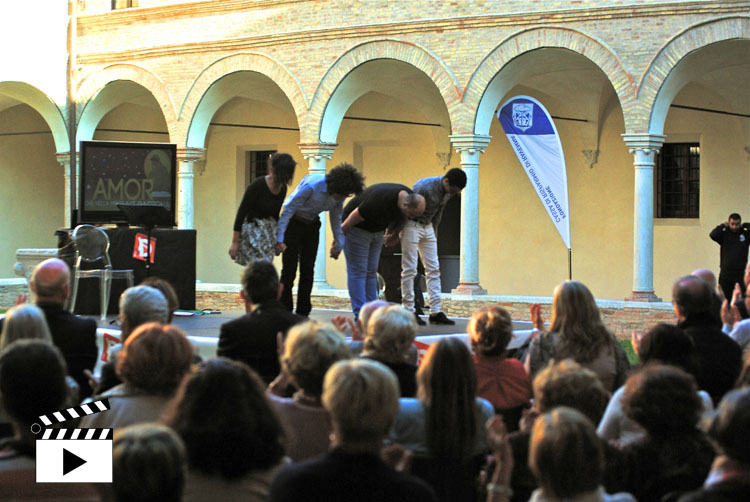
(74, 336)
(444, 426)
(577, 332)
(151, 365)
(500, 380)
(138, 305)
(568, 384)
(729, 478)
(390, 334)
(251, 338)
(361, 398)
(32, 383)
(232, 436)
(674, 456)
(663, 344)
(565, 456)
(720, 357)
(27, 322)
(717, 294)
(148, 464)
(744, 379)
(734, 318)
(356, 329)
(309, 350)
(173, 301)
(24, 322)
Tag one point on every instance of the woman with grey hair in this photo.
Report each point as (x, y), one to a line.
(138, 305)
(309, 350)
(361, 398)
(25, 321)
(390, 334)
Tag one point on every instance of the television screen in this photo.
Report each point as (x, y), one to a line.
(125, 173)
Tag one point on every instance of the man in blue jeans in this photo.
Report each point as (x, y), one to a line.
(383, 207)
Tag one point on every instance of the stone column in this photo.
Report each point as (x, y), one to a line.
(187, 158)
(644, 147)
(317, 154)
(64, 160)
(470, 146)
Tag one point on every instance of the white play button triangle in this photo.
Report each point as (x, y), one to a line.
(71, 461)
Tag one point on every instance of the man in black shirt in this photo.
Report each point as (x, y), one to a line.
(383, 207)
(734, 239)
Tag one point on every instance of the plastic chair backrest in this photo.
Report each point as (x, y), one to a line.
(91, 243)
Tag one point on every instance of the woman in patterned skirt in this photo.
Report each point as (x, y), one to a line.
(254, 236)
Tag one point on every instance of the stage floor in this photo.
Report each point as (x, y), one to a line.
(208, 325)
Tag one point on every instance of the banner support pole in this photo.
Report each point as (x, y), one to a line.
(570, 265)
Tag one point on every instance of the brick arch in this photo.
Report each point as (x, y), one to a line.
(486, 87)
(193, 120)
(93, 83)
(44, 106)
(663, 77)
(323, 109)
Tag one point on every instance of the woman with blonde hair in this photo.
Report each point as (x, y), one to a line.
(501, 380)
(25, 321)
(577, 332)
(361, 398)
(390, 334)
(309, 350)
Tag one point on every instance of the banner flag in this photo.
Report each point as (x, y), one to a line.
(533, 136)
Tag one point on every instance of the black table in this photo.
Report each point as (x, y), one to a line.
(174, 260)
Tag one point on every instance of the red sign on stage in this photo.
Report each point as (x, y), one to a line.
(140, 249)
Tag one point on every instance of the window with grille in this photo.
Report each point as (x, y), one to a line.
(678, 180)
(256, 164)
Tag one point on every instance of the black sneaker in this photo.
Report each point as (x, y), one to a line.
(440, 318)
(419, 319)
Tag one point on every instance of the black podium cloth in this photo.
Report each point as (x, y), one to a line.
(174, 260)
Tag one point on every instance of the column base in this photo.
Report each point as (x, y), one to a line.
(321, 285)
(643, 296)
(469, 289)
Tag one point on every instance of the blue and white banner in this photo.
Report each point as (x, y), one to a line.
(534, 138)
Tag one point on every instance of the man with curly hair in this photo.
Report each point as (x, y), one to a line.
(299, 226)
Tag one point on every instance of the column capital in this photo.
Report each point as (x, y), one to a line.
(63, 158)
(645, 142)
(191, 154)
(188, 158)
(469, 143)
(317, 151)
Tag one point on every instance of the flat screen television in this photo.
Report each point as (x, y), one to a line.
(114, 172)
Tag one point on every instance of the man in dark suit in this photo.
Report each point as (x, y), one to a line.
(719, 356)
(252, 337)
(75, 336)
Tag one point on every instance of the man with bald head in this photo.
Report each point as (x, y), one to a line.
(719, 356)
(75, 336)
(716, 299)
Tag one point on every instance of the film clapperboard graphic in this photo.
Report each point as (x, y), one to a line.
(73, 455)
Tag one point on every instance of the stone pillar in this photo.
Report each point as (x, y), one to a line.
(470, 146)
(187, 158)
(64, 160)
(317, 154)
(644, 148)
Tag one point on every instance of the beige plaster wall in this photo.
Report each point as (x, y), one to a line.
(32, 187)
(680, 246)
